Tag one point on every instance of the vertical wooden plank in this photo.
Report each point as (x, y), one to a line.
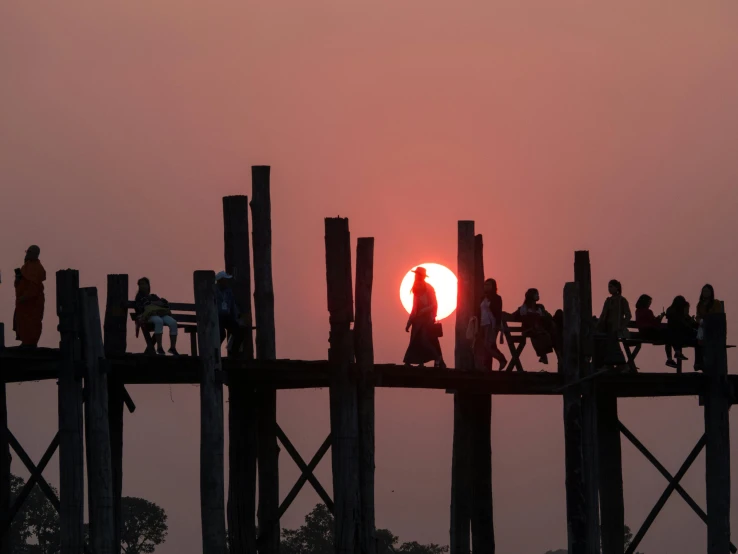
(212, 479)
(71, 455)
(576, 499)
(343, 402)
(461, 486)
(717, 430)
(482, 524)
(242, 445)
(266, 349)
(583, 278)
(364, 347)
(611, 475)
(97, 430)
(4, 458)
(115, 341)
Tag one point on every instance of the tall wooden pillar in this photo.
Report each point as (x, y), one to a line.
(611, 475)
(4, 459)
(482, 525)
(717, 430)
(212, 479)
(583, 278)
(97, 430)
(576, 498)
(461, 486)
(71, 454)
(266, 349)
(115, 342)
(364, 347)
(343, 402)
(242, 445)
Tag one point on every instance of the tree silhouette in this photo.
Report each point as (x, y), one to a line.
(316, 537)
(628, 539)
(144, 526)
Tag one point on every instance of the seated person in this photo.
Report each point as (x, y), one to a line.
(229, 315)
(538, 325)
(153, 310)
(682, 327)
(651, 327)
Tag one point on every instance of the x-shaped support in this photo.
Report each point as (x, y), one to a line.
(631, 354)
(307, 472)
(36, 476)
(515, 351)
(673, 485)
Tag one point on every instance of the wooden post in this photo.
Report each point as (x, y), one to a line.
(576, 499)
(717, 430)
(482, 524)
(242, 444)
(212, 479)
(266, 349)
(71, 455)
(364, 347)
(115, 341)
(343, 402)
(97, 430)
(4, 459)
(461, 486)
(583, 278)
(611, 475)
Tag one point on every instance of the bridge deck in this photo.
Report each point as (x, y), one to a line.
(35, 365)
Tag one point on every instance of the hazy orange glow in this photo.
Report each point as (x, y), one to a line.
(440, 278)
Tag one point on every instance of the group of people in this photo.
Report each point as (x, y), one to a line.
(545, 331)
(153, 311)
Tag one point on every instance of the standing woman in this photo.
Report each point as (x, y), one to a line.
(614, 322)
(707, 305)
(491, 322)
(424, 345)
(29, 299)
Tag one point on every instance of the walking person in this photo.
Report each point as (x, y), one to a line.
(29, 299)
(490, 323)
(153, 310)
(424, 344)
(707, 305)
(613, 322)
(229, 315)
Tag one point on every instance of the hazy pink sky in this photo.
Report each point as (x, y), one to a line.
(556, 126)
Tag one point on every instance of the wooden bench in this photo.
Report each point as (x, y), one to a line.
(512, 330)
(186, 321)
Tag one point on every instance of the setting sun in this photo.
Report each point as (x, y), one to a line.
(440, 278)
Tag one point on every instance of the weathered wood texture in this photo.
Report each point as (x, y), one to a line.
(212, 480)
(461, 486)
(482, 525)
(611, 475)
(266, 349)
(4, 460)
(583, 278)
(115, 342)
(717, 430)
(242, 416)
(343, 402)
(576, 500)
(97, 430)
(71, 454)
(364, 350)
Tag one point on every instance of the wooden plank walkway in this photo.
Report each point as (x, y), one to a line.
(138, 369)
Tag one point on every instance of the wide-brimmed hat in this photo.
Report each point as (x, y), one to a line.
(222, 275)
(420, 271)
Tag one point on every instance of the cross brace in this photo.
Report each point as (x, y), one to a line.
(673, 485)
(307, 472)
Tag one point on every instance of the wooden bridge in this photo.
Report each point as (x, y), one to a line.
(93, 367)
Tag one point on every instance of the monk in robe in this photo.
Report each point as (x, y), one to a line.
(29, 299)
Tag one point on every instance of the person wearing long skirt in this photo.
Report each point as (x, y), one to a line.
(424, 344)
(613, 322)
(29, 299)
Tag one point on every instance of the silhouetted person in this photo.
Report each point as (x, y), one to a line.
(424, 345)
(29, 299)
(682, 327)
(229, 315)
(490, 324)
(613, 322)
(151, 309)
(651, 327)
(707, 305)
(537, 324)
